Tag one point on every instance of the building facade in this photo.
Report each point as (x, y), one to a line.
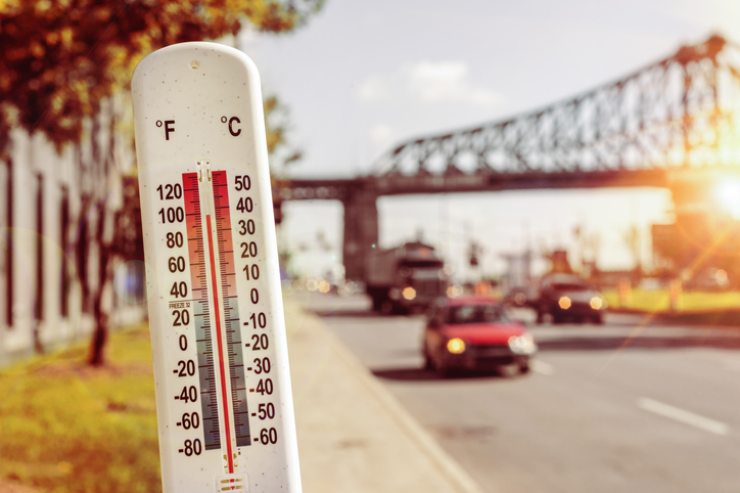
(41, 303)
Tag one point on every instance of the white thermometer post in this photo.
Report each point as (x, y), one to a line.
(224, 403)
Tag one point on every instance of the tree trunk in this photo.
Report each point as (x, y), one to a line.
(100, 314)
(100, 334)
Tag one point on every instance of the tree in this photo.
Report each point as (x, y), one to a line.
(63, 68)
(282, 154)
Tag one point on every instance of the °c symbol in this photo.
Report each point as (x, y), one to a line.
(233, 123)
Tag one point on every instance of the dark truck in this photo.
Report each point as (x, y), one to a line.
(404, 278)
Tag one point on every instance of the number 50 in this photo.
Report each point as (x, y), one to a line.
(242, 182)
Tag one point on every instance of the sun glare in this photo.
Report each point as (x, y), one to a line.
(727, 195)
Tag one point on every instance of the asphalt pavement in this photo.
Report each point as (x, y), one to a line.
(353, 436)
(624, 407)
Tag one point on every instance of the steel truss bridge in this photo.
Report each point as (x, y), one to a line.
(675, 116)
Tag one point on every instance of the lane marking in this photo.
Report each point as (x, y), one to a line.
(542, 368)
(683, 416)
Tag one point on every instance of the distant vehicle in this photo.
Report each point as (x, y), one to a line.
(566, 297)
(404, 278)
(474, 333)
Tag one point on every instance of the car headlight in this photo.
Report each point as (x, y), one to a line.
(456, 345)
(596, 303)
(565, 302)
(408, 293)
(523, 344)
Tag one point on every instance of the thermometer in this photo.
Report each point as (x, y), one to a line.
(224, 403)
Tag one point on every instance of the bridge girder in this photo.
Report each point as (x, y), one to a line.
(678, 111)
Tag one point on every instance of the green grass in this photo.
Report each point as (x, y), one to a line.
(66, 427)
(689, 301)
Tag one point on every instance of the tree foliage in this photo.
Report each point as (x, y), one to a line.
(282, 153)
(61, 58)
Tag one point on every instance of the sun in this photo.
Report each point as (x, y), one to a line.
(727, 195)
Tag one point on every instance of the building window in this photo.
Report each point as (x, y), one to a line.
(64, 225)
(9, 247)
(39, 305)
(3, 242)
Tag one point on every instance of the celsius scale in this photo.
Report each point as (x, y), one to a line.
(224, 403)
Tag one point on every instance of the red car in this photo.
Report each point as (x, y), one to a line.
(474, 333)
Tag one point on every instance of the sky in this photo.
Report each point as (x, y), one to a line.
(361, 76)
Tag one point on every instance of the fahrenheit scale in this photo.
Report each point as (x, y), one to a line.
(224, 404)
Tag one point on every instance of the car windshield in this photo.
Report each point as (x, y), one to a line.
(473, 314)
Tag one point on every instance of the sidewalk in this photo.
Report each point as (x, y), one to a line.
(353, 435)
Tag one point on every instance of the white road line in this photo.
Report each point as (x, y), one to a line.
(542, 368)
(683, 416)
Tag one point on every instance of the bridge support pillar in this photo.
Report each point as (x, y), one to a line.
(360, 232)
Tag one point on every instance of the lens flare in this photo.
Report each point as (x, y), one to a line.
(727, 195)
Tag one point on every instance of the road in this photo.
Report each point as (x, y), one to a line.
(623, 407)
